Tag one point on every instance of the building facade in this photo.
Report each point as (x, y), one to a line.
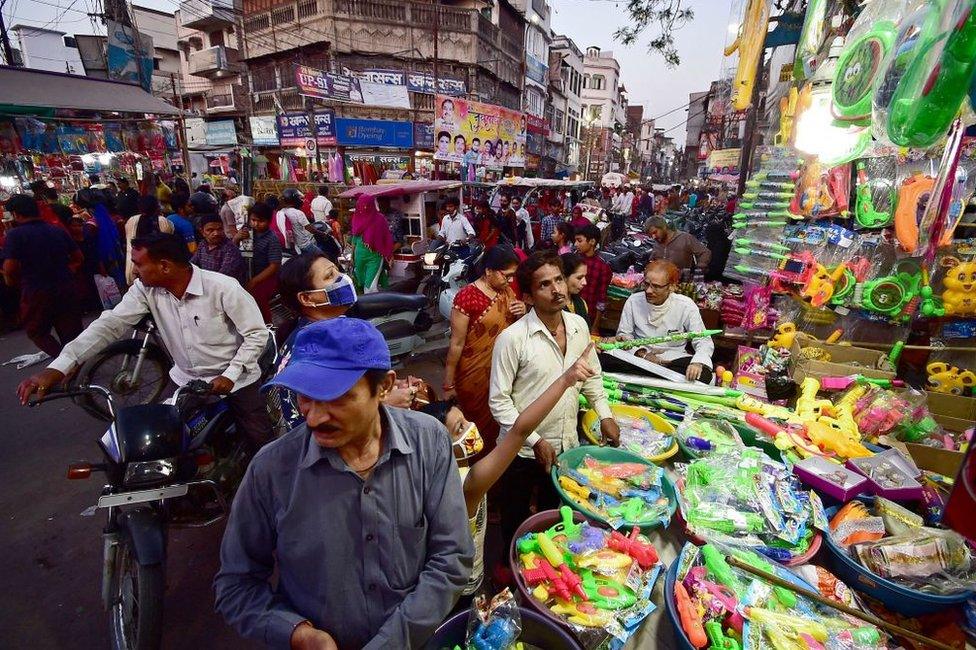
(570, 85)
(44, 49)
(694, 155)
(210, 59)
(603, 108)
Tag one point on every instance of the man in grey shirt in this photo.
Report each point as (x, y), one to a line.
(360, 510)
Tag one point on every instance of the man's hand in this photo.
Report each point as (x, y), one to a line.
(221, 385)
(611, 432)
(39, 383)
(650, 354)
(694, 371)
(402, 395)
(581, 370)
(545, 454)
(516, 308)
(306, 637)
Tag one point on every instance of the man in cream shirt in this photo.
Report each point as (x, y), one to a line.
(528, 356)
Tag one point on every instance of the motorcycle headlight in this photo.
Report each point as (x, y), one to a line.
(430, 258)
(149, 472)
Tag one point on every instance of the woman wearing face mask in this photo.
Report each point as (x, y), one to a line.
(481, 311)
(480, 476)
(575, 271)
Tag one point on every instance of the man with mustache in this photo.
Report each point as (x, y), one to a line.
(528, 356)
(359, 510)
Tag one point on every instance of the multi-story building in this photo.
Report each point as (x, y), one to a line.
(603, 112)
(645, 147)
(538, 37)
(695, 155)
(569, 83)
(210, 59)
(44, 49)
(158, 29)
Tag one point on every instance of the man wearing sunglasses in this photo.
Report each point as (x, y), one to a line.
(659, 311)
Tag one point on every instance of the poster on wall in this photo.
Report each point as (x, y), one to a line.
(723, 162)
(474, 133)
(264, 130)
(320, 84)
(293, 129)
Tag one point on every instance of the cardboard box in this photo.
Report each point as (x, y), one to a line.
(844, 360)
(952, 412)
(940, 461)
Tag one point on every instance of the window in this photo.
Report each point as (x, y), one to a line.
(586, 81)
(550, 115)
(216, 38)
(69, 41)
(598, 82)
(558, 119)
(156, 62)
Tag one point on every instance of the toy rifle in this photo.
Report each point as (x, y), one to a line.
(655, 340)
(743, 241)
(758, 224)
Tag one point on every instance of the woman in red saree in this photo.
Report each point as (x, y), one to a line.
(481, 311)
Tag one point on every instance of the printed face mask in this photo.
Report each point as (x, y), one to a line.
(468, 443)
(341, 293)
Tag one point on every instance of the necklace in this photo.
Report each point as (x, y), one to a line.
(554, 332)
(366, 470)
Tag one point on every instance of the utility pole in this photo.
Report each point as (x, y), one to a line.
(184, 150)
(8, 52)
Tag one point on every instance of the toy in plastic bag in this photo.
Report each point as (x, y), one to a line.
(494, 625)
(700, 436)
(623, 494)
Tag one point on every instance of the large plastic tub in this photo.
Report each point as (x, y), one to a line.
(895, 597)
(629, 410)
(536, 630)
(574, 457)
(537, 523)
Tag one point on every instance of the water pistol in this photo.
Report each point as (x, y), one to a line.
(864, 211)
(690, 622)
(718, 567)
(567, 581)
(768, 194)
(786, 597)
(566, 526)
(583, 614)
(630, 510)
(746, 252)
(738, 225)
(605, 593)
(843, 383)
(643, 553)
(498, 634)
(713, 629)
(750, 215)
(744, 241)
(796, 625)
(754, 183)
(574, 489)
(655, 340)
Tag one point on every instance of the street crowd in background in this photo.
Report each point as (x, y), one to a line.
(207, 268)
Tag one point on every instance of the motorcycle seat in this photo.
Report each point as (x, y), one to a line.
(374, 305)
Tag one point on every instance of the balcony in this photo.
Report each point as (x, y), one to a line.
(206, 14)
(214, 62)
(227, 99)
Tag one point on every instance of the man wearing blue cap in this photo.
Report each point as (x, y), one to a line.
(360, 508)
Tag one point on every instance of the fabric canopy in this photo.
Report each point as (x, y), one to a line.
(399, 188)
(22, 87)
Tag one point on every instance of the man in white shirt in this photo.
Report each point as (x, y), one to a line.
(233, 213)
(297, 223)
(523, 224)
(321, 205)
(210, 325)
(659, 311)
(455, 228)
(527, 358)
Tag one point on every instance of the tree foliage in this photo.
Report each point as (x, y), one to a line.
(661, 18)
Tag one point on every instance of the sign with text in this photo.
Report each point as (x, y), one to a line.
(320, 84)
(416, 82)
(293, 129)
(474, 133)
(723, 161)
(221, 133)
(374, 133)
(264, 131)
(423, 136)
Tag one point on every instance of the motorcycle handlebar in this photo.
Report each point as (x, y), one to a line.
(79, 391)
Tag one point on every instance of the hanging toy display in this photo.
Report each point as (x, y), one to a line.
(913, 196)
(857, 69)
(749, 43)
(875, 196)
(812, 37)
(959, 296)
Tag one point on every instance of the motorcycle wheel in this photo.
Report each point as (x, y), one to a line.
(137, 609)
(112, 369)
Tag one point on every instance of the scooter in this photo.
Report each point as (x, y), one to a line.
(400, 318)
(458, 272)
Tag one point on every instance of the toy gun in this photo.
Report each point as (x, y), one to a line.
(756, 182)
(655, 340)
(795, 625)
(718, 567)
(743, 241)
(583, 614)
(643, 552)
(713, 629)
(738, 225)
(726, 521)
(630, 510)
(544, 572)
(567, 581)
(567, 527)
(690, 622)
(605, 593)
(768, 194)
(786, 597)
(574, 489)
(864, 212)
(745, 252)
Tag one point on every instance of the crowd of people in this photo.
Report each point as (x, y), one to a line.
(391, 476)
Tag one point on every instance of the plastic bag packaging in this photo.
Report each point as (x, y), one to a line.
(638, 436)
(624, 494)
(702, 436)
(494, 624)
(927, 559)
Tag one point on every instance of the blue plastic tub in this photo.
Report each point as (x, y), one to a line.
(895, 597)
(536, 631)
(680, 638)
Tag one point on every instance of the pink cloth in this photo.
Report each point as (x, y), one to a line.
(370, 224)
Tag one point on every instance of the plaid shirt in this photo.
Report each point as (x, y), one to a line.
(548, 227)
(598, 276)
(224, 258)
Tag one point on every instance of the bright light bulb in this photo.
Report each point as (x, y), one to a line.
(87, 158)
(105, 158)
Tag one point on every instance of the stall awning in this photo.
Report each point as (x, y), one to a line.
(22, 87)
(399, 188)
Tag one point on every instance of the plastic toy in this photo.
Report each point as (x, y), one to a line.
(864, 212)
(959, 297)
(717, 638)
(583, 614)
(498, 634)
(785, 334)
(690, 622)
(655, 340)
(568, 581)
(935, 81)
(749, 43)
(643, 552)
(786, 597)
(605, 593)
(812, 36)
(913, 196)
(944, 378)
(857, 67)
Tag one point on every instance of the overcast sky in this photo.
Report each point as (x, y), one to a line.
(648, 80)
(588, 22)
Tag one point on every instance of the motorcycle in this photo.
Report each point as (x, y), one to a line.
(400, 318)
(170, 465)
(449, 268)
(632, 250)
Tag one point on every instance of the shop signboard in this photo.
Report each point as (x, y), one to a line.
(383, 161)
(320, 84)
(475, 133)
(293, 129)
(264, 130)
(536, 70)
(196, 132)
(374, 133)
(723, 161)
(382, 95)
(129, 55)
(416, 82)
(534, 143)
(221, 133)
(423, 136)
(535, 124)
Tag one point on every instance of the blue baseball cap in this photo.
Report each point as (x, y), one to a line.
(330, 356)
